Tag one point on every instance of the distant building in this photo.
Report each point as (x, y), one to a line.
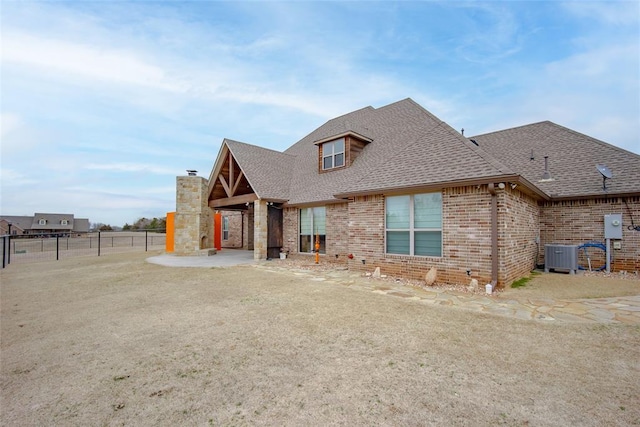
(43, 223)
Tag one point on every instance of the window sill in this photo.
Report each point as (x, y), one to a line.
(411, 257)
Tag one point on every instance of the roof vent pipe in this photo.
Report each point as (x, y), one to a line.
(546, 174)
(462, 131)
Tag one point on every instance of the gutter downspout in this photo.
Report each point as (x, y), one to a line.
(494, 236)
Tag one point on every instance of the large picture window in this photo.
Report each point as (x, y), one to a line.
(414, 224)
(333, 154)
(312, 223)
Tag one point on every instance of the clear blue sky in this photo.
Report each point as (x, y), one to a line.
(104, 103)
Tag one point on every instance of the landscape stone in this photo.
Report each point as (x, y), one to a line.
(431, 276)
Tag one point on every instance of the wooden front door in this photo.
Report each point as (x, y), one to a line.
(274, 232)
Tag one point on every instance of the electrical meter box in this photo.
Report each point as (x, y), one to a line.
(613, 226)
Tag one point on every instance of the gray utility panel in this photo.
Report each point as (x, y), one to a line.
(613, 226)
(561, 257)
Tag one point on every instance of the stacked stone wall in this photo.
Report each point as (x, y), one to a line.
(193, 218)
(260, 212)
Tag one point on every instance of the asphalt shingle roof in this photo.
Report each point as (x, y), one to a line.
(267, 171)
(572, 159)
(410, 147)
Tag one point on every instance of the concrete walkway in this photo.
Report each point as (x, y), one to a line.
(224, 258)
(599, 310)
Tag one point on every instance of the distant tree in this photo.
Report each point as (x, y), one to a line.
(105, 227)
(147, 224)
(142, 224)
(153, 225)
(126, 227)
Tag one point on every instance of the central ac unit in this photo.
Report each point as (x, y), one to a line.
(561, 257)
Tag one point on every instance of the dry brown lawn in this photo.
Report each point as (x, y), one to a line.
(115, 341)
(583, 285)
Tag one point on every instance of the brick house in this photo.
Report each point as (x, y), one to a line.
(397, 188)
(43, 223)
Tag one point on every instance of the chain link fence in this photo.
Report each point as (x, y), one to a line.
(47, 247)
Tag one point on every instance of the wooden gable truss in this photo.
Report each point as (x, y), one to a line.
(228, 185)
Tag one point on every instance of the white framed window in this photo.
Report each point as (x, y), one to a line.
(42, 222)
(312, 226)
(413, 224)
(64, 222)
(225, 228)
(333, 154)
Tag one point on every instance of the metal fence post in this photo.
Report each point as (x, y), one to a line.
(4, 251)
(57, 247)
(99, 243)
(9, 251)
(146, 233)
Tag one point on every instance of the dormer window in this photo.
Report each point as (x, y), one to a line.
(42, 222)
(339, 151)
(64, 222)
(333, 154)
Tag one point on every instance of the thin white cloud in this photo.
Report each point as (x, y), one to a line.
(88, 61)
(123, 96)
(492, 34)
(9, 122)
(132, 167)
(609, 12)
(13, 178)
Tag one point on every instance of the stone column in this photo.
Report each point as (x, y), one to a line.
(194, 217)
(260, 212)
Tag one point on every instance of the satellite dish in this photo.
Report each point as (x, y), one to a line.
(606, 173)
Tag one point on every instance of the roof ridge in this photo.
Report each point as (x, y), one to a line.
(368, 107)
(511, 128)
(227, 140)
(473, 147)
(599, 141)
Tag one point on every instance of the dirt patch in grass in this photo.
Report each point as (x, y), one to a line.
(577, 286)
(116, 341)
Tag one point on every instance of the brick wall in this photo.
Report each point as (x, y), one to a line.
(290, 220)
(366, 233)
(337, 240)
(248, 229)
(518, 232)
(357, 228)
(337, 231)
(581, 221)
(236, 232)
(466, 238)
